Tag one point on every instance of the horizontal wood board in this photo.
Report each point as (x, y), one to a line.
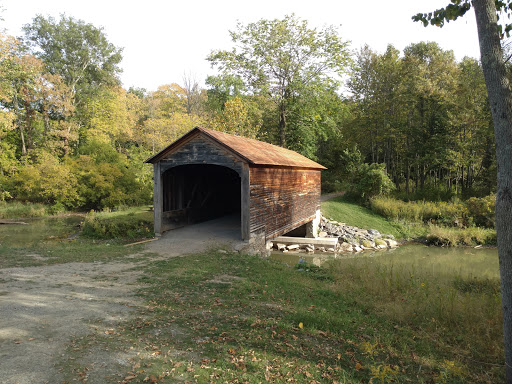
(282, 199)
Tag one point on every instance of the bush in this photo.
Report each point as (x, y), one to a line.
(475, 211)
(372, 180)
(46, 181)
(131, 223)
(482, 210)
(98, 178)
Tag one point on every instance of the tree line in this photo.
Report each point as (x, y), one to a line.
(73, 137)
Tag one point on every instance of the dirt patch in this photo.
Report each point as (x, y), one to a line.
(43, 308)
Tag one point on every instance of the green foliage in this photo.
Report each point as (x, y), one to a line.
(290, 63)
(482, 211)
(372, 180)
(106, 180)
(458, 8)
(77, 51)
(46, 181)
(131, 223)
(426, 117)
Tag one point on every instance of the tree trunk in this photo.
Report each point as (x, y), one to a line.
(500, 100)
(282, 125)
(23, 146)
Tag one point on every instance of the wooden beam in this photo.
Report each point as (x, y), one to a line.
(245, 201)
(157, 198)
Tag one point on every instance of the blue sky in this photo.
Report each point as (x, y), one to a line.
(163, 40)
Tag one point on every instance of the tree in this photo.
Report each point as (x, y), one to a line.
(235, 119)
(195, 96)
(487, 14)
(283, 59)
(77, 51)
(38, 100)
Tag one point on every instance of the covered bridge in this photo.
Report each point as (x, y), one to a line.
(206, 174)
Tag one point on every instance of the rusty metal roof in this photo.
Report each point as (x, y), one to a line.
(253, 151)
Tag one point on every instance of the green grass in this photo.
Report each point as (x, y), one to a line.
(48, 241)
(132, 223)
(15, 209)
(344, 211)
(231, 318)
(59, 252)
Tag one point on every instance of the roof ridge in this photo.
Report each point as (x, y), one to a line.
(252, 150)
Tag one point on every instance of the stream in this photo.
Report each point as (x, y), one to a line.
(40, 229)
(460, 261)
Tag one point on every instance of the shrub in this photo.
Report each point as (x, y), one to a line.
(45, 181)
(372, 180)
(131, 223)
(482, 210)
(438, 235)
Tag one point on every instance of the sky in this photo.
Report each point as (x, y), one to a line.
(165, 40)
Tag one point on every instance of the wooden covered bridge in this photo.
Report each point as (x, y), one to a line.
(207, 174)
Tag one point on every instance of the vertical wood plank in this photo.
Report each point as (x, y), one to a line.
(157, 198)
(245, 201)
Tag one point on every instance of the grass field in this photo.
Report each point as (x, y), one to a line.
(223, 317)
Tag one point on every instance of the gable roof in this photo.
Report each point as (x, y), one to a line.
(253, 151)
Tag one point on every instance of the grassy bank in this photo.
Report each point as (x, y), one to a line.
(15, 209)
(55, 240)
(414, 221)
(230, 318)
(344, 211)
(225, 317)
(130, 223)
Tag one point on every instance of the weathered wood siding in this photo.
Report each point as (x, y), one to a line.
(282, 199)
(201, 150)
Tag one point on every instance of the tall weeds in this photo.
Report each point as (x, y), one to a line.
(131, 223)
(475, 211)
(15, 209)
(452, 309)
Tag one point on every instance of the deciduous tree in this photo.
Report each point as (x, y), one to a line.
(282, 59)
(77, 51)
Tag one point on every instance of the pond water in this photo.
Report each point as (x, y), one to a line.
(39, 229)
(464, 262)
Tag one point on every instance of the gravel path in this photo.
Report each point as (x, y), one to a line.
(42, 308)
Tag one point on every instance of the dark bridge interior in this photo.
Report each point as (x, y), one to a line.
(195, 193)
